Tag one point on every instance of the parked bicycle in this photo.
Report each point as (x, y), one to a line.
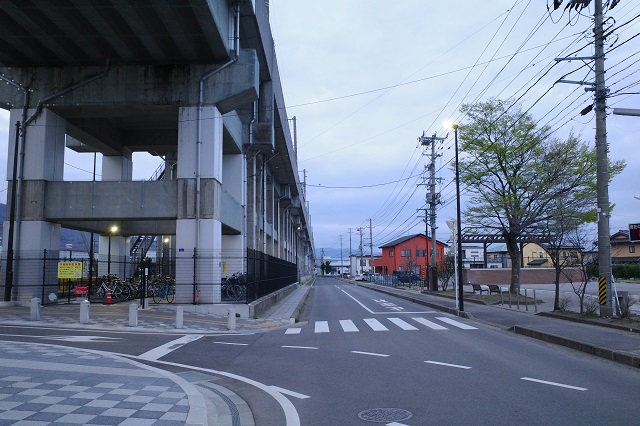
(164, 287)
(234, 288)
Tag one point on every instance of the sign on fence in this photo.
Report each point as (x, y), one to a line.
(70, 270)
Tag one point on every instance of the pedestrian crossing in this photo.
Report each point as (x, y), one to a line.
(384, 324)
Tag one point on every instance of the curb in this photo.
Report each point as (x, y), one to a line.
(622, 357)
(586, 321)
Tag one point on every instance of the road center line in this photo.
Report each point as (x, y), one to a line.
(157, 353)
(289, 392)
(464, 367)
(231, 343)
(553, 384)
(299, 347)
(369, 353)
(357, 301)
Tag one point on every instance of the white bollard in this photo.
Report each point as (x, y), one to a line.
(231, 322)
(133, 315)
(35, 309)
(84, 312)
(179, 316)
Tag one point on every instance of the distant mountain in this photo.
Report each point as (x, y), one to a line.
(67, 236)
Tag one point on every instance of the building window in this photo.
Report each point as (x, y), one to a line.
(405, 253)
(541, 254)
(420, 253)
(390, 253)
(632, 249)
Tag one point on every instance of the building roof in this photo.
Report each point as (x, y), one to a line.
(406, 238)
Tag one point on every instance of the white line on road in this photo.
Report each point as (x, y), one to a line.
(395, 424)
(428, 323)
(160, 351)
(553, 384)
(456, 323)
(289, 392)
(402, 324)
(322, 327)
(231, 343)
(293, 331)
(357, 301)
(369, 353)
(464, 367)
(375, 324)
(348, 326)
(299, 347)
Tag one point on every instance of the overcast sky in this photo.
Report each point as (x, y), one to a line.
(366, 78)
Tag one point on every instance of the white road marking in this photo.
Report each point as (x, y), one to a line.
(289, 392)
(322, 327)
(348, 326)
(554, 384)
(402, 324)
(81, 339)
(428, 323)
(456, 323)
(293, 330)
(464, 367)
(160, 351)
(369, 353)
(357, 301)
(299, 347)
(231, 343)
(395, 424)
(375, 324)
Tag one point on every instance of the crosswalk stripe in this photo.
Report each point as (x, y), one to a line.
(429, 324)
(322, 327)
(293, 330)
(348, 326)
(456, 323)
(375, 324)
(402, 324)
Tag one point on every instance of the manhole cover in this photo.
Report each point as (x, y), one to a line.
(381, 415)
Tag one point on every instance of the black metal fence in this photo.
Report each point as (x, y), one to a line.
(64, 276)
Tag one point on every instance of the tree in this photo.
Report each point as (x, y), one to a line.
(327, 267)
(514, 171)
(579, 238)
(446, 271)
(323, 267)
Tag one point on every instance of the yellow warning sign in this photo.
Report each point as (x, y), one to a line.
(69, 269)
(602, 290)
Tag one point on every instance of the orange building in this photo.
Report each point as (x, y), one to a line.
(408, 254)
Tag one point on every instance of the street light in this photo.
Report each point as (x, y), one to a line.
(112, 230)
(459, 236)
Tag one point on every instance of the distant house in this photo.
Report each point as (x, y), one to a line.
(622, 249)
(408, 253)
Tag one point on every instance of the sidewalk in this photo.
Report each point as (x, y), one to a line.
(42, 384)
(616, 345)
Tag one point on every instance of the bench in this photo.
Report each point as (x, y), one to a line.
(493, 288)
(478, 287)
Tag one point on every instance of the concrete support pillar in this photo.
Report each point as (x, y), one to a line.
(112, 247)
(200, 185)
(234, 171)
(251, 211)
(42, 160)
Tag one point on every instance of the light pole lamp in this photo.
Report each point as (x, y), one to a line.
(459, 228)
(112, 230)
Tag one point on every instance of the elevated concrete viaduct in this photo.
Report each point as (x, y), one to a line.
(194, 82)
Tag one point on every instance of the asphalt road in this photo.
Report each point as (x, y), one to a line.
(358, 352)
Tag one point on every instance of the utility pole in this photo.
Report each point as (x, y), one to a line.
(433, 199)
(373, 269)
(359, 260)
(602, 161)
(341, 256)
(350, 251)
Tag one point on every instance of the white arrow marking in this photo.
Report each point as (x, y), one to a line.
(81, 339)
(289, 392)
(553, 384)
(160, 351)
(464, 367)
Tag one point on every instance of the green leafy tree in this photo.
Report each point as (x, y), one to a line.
(322, 268)
(327, 267)
(515, 171)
